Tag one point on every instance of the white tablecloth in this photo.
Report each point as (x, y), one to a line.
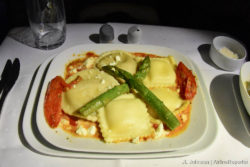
(231, 147)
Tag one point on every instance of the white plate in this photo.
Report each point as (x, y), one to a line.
(59, 138)
(42, 143)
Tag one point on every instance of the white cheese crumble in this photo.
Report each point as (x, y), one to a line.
(184, 117)
(159, 131)
(136, 140)
(89, 62)
(81, 131)
(103, 81)
(74, 70)
(84, 132)
(92, 130)
(117, 58)
(167, 132)
(65, 122)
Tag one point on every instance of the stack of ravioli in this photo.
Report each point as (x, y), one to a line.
(127, 117)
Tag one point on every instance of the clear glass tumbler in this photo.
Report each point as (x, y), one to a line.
(47, 22)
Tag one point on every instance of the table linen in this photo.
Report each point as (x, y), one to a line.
(230, 148)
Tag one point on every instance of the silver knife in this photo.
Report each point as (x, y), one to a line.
(10, 81)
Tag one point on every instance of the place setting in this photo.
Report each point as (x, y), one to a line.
(157, 140)
(60, 142)
(47, 140)
(122, 92)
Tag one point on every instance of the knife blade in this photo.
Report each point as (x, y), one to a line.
(5, 74)
(10, 81)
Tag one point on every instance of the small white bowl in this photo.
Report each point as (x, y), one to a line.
(225, 62)
(244, 77)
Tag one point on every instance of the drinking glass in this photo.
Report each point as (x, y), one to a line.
(47, 22)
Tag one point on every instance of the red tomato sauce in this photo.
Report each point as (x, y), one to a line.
(53, 98)
(186, 82)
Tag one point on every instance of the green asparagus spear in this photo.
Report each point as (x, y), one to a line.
(109, 95)
(103, 99)
(162, 111)
(143, 68)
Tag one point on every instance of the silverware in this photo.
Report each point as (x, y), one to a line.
(5, 74)
(9, 77)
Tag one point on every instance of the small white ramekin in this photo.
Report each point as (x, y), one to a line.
(225, 62)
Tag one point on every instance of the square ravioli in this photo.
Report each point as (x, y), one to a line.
(161, 73)
(93, 83)
(124, 119)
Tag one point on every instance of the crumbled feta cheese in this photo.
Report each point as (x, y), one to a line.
(178, 90)
(81, 131)
(184, 117)
(92, 130)
(89, 62)
(117, 58)
(167, 132)
(74, 70)
(65, 121)
(103, 81)
(159, 131)
(136, 140)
